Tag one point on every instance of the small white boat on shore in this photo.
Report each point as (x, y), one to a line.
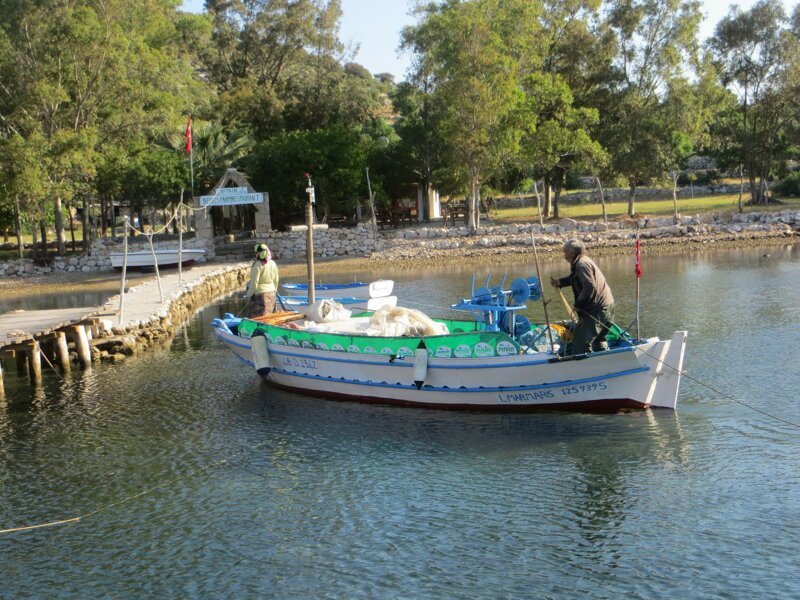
(166, 258)
(355, 289)
(497, 361)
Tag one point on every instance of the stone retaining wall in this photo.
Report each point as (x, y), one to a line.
(425, 241)
(117, 342)
(363, 241)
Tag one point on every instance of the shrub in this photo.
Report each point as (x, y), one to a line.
(788, 186)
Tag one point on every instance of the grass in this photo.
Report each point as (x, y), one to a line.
(726, 203)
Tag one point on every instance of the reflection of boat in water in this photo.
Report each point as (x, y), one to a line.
(166, 259)
(497, 361)
(354, 289)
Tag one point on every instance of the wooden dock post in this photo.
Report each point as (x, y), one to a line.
(22, 363)
(34, 361)
(82, 345)
(62, 351)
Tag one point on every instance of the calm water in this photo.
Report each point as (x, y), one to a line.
(270, 494)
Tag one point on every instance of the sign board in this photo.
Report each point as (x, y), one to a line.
(232, 196)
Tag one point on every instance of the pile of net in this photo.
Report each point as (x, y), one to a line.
(395, 321)
(327, 311)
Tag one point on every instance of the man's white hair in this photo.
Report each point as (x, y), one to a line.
(575, 246)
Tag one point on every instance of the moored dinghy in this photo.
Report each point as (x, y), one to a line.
(497, 361)
(301, 304)
(166, 258)
(355, 289)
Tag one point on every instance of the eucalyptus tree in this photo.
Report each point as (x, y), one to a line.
(86, 73)
(279, 65)
(558, 136)
(22, 180)
(418, 149)
(473, 52)
(656, 42)
(757, 54)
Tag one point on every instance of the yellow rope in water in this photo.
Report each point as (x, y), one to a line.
(117, 503)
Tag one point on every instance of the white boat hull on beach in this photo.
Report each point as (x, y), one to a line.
(643, 375)
(166, 259)
(356, 289)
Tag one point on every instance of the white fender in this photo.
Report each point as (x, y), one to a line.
(420, 364)
(260, 354)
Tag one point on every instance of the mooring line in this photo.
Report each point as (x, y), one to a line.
(720, 392)
(113, 504)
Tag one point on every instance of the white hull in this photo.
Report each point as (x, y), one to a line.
(647, 375)
(376, 289)
(165, 258)
(300, 303)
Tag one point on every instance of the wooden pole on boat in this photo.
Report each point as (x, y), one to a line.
(310, 240)
(544, 302)
(570, 313)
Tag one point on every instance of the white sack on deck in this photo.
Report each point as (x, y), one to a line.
(326, 311)
(396, 321)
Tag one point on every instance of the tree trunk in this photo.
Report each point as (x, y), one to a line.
(45, 252)
(18, 226)
(472, 206)
(556, 198)
(5, 235)
(87, 230)
(602, 200)
(70, 210)
(741, 188)
(754, 189)
(631, 200)
(547, 197)
(675, 195)
(538, 202)
(103, 217)
(34, 243)
(60, 235)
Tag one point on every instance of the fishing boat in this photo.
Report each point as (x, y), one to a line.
(301, 303)
(496, 360)
(355, 289)
(166, 259)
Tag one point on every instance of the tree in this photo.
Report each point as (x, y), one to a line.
(558, 138)
(85, 73)
(758, 57)
(654, 40)
(473, 53)
(335, 157)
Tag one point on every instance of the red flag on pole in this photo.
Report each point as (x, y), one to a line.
(188, 136)
(638, 268)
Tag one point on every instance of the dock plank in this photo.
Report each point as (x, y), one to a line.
(23, 325)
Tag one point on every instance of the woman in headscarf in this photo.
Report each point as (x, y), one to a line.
(263, 286)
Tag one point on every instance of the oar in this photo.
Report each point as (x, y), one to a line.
(570, 312)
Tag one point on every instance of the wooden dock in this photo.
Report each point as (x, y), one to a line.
(26, 334)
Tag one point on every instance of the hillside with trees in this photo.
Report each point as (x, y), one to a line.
(95, 97)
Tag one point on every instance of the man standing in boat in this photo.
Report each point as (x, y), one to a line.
(594, 304)
(263, 286)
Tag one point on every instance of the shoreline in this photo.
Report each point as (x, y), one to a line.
(20, 287)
